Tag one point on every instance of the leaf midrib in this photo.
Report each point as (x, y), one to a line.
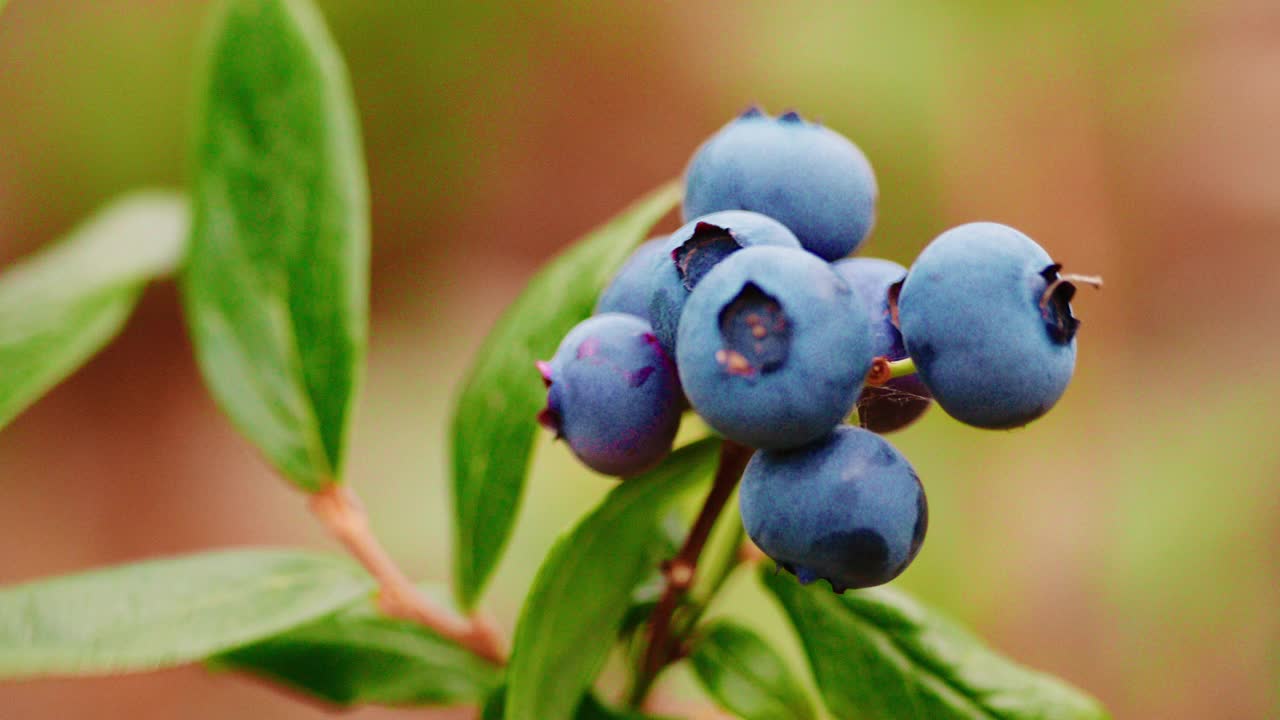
(867, 626)
(776, 702)
(288, 580)
(674, 481)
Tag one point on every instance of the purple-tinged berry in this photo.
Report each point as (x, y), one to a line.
(612, 394)
(988, 322)
(629, 290)
(900, 401)
(773, 347)
(848, 509)
(693, 250)
(808, 177)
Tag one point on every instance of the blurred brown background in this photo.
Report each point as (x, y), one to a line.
(1127, 542)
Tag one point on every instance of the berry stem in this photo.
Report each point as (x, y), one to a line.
(722, 567)
(341, 511)
(704, 592)
(679, 572)
(883, 370)
(902, 368)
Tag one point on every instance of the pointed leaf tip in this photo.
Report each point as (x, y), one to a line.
(62, 304)
(582, 592)
(493, 423)
(277, 280)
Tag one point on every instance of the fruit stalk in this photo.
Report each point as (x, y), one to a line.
(883, 370)
(680, 570)
(341, 511)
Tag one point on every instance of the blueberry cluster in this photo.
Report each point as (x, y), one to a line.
(751, 315)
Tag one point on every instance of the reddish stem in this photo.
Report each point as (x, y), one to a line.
(342, 513)
(680, 570)
(881, 372)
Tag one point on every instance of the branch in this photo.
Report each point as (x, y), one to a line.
(680, 570)
(341, 512)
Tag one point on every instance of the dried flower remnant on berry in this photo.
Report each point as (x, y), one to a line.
(756, 333)
(709, 245)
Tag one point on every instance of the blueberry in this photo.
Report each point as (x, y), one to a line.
(808, 177)
(900, 401)
(692, 250)
(848, 509)
(628, 292)
(773, 347)
(612, 394)
(989, 325)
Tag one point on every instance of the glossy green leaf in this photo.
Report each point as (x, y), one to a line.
(361, 656)
(276, 282)
(745, 676)
(61, 305)
(581, 593)
(880, 654)
(166, 612)
(494, 422)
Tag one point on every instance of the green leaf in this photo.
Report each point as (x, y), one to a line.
(571, 617)
(590, 708)
(361, 656)
(880, 654)
(166, 612)
(63, 304)
(276, 282)
(744, 675)
(493, 424)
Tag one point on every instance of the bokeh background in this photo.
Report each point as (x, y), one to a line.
(1127, 541)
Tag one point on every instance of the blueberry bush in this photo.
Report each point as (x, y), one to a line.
(784, 366)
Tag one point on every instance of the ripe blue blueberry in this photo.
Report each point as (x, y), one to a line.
(808, 177)
(988, 322)
(612, 394)
(694, 249)
(629, 290)
(773, 347)
(848, 509)
(900, 401)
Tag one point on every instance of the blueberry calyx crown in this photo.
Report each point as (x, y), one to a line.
(696, 256)
(1055, 305)
(755, 331)
(894, 291)
(549, 416)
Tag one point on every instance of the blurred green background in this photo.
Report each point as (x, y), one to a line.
(1127, 541)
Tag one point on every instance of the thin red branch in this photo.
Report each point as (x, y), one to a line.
(342, 513)
(681, 570)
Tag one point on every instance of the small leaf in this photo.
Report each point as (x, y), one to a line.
(880, 654)
(746, 676)
(277, 279)
(361, 656)
(582, 591)
(162, 613)
(493, 424)
(63, 304)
